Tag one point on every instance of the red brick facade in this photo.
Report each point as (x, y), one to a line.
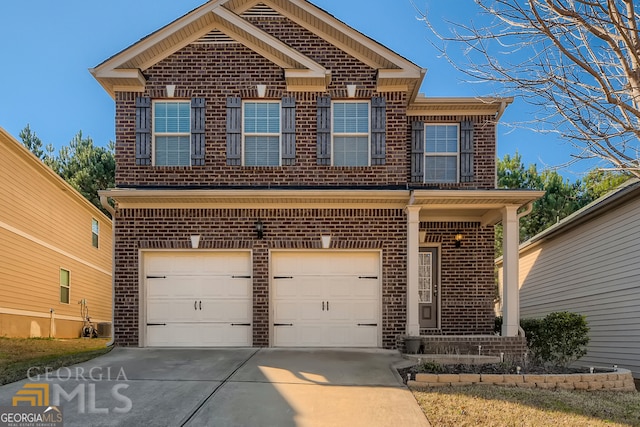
(217, 71)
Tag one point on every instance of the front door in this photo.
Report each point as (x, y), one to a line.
(428, 287)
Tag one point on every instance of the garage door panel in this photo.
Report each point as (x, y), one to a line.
(365, 312)
(225, 335)
(307, 336)
(325, 297)
(225, 285)
(171, 311)
(198, 295)
(365, 288)
(224, 310)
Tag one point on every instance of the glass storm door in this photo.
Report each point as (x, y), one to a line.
(428, 287)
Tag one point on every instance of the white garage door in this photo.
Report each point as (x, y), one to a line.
(198, 299)
(326, 299)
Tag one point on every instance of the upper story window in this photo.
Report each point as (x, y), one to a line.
(442, 147)
(172, 133)
(261, 133)
(95, 232)
(351, 132)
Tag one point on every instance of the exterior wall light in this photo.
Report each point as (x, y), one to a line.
(259, 229)
(458, 238)
(195, 241)
(326, 239)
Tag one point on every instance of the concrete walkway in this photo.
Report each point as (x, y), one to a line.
(231, 387)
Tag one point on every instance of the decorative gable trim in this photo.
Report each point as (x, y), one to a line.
(260, 10)
(214, 20)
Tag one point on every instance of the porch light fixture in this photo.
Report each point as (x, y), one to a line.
(458, 238)
(195, 241)
(325, 236)
(259, 229)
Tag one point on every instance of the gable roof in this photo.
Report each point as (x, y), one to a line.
(125, 70)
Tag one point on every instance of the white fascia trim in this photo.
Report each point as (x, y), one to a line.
(345, 29)
(51, 247)
(139, 47)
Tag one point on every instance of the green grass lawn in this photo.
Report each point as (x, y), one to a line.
(501, 406)
(17, 355)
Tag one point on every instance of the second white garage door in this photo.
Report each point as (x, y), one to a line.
(326, 299)
(198, 299)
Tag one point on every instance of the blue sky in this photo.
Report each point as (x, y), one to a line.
(47, 48)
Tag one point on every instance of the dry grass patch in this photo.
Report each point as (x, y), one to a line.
(17, 355)
(509, 406)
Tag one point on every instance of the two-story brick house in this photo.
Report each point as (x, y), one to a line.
(280, 182)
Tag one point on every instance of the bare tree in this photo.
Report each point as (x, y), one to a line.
(577, 60)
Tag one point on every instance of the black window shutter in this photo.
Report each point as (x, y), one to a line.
(234, 131)
(378, 131)
(324, 131)
(417, 151)
(197, 131)
(288, 131)
(466, 151)
(143, 131)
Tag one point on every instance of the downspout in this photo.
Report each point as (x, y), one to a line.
(104, 201)
(501, 110)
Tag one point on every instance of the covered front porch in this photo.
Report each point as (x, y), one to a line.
(450, 270)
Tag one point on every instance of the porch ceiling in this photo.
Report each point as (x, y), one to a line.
(484, 206)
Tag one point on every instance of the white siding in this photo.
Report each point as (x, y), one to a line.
(593, 270)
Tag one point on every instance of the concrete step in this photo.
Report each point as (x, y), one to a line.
(452, 359)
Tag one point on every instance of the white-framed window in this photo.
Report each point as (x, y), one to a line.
(65, 285)
(172, 133)
(261, 133)
(351, 132)
(442, 148)
(95, 232)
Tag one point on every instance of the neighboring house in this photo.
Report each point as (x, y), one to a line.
(588, 264)
(55, 250)
(323, 194)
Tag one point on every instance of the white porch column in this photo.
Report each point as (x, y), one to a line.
(413, 244)
(510, 275)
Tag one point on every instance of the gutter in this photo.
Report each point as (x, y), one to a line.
(104, 201)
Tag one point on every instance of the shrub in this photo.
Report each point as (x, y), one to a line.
(559, 339)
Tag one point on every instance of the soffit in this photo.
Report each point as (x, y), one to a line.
(485, 206)
(450, 106)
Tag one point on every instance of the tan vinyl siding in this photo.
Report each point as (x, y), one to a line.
(593, 270)
(45, 226)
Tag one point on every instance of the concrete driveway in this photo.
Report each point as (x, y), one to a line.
(230, 387)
